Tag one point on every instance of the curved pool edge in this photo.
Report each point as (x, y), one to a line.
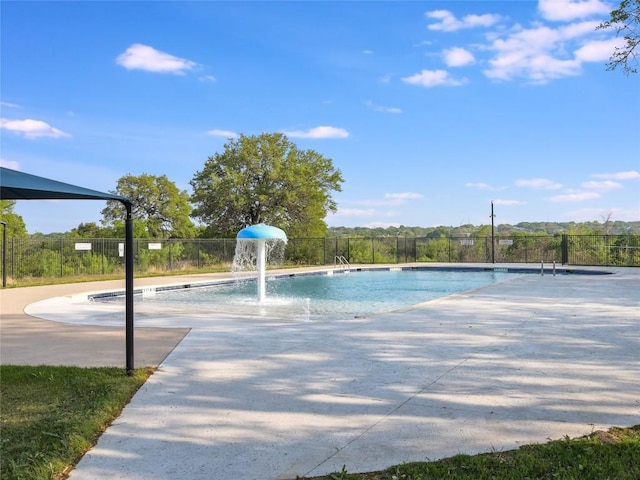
(69, 309)
(324, 270)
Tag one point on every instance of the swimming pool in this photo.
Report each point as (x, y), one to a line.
(325, 295)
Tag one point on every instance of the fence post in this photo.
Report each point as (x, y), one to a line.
(61, 255)
(4, 254)
(565, 249)
(373, 251)
(13, 258)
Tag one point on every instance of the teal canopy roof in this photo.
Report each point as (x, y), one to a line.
(262, 231)
(16, 185)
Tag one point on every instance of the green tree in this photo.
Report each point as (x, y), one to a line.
(91, 230)
(15, 224)
(625, 20)
(163, 209)
(265, 179)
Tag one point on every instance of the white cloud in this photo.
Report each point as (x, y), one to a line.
(458, 57)
(223, 133)
(567, 10)
(630, 175)
(368, 52)
(478, 185)
(388, 109)
(507, 203)
(9, 105)
(207, 79)
(598, 50)
(543, 53)
(32, 128)
(538, 184)
(537, 53)
(318, 132)
(403, 196)
(385, 78)
(447, 21)
(527, 53)
(9, 164)
(355, 212)
(379, 108)
(433, 78)
(603, 186)
(575, 197)
(392, 199)
(143, 57)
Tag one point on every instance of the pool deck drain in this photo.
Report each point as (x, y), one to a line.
(523, 361)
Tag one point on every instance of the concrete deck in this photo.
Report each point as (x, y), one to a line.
(527, 360)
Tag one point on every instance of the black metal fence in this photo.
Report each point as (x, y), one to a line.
(60, 257)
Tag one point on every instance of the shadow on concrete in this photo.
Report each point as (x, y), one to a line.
(520, 362)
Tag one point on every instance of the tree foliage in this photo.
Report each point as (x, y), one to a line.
(609, 227)
(625, 20)
(15, 223)
(158, 205)
(91, 230)
(265, 179)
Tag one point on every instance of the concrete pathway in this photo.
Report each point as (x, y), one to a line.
(28, 340)
(527, 360)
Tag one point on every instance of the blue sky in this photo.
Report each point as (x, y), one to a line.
(431, 110)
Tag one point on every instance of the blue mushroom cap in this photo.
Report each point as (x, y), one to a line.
(262, 231)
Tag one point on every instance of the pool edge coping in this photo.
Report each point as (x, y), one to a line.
(152, 289)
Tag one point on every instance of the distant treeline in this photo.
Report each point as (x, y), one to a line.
(523, 228)
(91, 230)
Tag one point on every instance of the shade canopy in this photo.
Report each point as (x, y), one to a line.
(24, 186)
(262, 231)
(16, 185)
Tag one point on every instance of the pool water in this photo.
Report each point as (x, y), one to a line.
(330, 297)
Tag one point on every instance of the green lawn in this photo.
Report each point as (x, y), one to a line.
(52, 415)
(612, 455)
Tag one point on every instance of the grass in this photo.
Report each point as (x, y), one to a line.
(50, 416)
(41, 281)
(612, 455)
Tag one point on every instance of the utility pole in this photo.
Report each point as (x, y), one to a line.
(493, 240)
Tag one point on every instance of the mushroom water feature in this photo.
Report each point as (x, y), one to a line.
(254, 245)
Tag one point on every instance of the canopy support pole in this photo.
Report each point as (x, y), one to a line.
(128, 249)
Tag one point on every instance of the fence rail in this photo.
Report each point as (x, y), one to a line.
(60, 257)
